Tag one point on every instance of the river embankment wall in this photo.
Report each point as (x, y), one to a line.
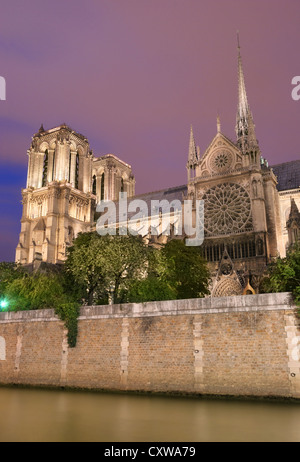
(237, 346)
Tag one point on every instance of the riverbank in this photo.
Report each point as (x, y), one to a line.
(172, 395)
(242, 347)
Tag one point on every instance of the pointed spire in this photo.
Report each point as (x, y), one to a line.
(218, 124)
(294, 212)
(245, 128)
(243, 106)
(193, 155)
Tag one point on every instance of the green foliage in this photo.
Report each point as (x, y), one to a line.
(175, 272)
(284, 274)
(151, 289)
(34, 291)
(44, 290)
(186, 270)
(100, 269)
(69, 312)
(104, 266)
(8, 273)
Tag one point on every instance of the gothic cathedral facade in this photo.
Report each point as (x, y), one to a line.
(251, 212)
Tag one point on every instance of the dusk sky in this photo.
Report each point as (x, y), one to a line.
(133, 75)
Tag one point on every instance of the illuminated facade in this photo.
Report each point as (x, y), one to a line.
(251, 209)
(64, 183)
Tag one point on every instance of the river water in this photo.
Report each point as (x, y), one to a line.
(31, 415)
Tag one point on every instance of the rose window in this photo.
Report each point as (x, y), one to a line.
(221, 161)
(227, 209)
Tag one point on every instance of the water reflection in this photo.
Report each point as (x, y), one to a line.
(42, 415)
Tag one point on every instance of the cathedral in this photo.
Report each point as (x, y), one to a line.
(251, 213)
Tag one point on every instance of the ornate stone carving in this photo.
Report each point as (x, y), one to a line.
(79, 202)
(54, 194)
(227, 209)
(227, 287)
(221, 161)
(38, 200)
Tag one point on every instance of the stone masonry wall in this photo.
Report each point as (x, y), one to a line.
(245, 345)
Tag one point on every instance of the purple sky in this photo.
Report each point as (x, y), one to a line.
(133, 75)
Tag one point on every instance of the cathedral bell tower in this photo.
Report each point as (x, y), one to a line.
(58, 201)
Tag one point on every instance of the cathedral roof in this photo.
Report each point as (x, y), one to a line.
(169, 195)
(113, 157)
(288, 175)
(43, 132)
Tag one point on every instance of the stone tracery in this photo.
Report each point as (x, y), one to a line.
(227, 209)
(221, 161)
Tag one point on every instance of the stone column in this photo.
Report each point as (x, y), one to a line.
(272, 217)
(258, 204)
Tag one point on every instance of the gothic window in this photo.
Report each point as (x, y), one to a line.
(53, 165)
(94, 185)
(237, 250)
(260, 247)
(227, 209)
(77, 172)
(251, 248)
(45, 169)
(70, 163)
(221, 161)
(102, 187)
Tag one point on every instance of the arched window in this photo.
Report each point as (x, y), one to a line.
(102, 187)
(53, 165)
(94, 185)
(45, 169)
(122, 185)
(70, 164)
(77, 171)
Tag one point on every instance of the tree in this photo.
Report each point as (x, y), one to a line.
(47, 288)
(186, 271)
(105, 266)
(151, 289)
(284, 274)
(44, 290)
(9, 272)
(35, 291)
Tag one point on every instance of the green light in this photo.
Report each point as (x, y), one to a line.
(3, 304)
